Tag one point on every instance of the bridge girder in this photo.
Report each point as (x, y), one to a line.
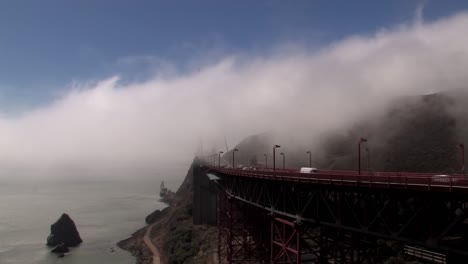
(354, 214)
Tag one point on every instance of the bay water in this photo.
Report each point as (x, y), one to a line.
(104, 211)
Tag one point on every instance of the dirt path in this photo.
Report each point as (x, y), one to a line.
(151, 246)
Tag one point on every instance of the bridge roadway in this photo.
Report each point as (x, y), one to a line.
(395, 180)
(284, 216)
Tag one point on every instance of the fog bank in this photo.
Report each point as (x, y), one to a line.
(161, 122)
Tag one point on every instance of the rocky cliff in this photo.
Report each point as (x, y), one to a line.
(173, 232)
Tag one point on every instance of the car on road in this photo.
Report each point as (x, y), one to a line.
(309, 170)
(444, 178)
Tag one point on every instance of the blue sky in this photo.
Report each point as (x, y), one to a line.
(46, 45)
(240, 68)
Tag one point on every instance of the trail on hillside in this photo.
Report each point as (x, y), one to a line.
(151, 246)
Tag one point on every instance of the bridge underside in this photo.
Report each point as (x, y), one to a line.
(263, 221)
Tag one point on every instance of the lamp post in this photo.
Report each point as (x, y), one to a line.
(233, 152)
(368, 158)
(219, 158)
(310, 158)
(359, 154)
(266, 161)
(274, 155)
(462, 148)
(282, 154)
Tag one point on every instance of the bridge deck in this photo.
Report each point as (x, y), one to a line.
(389, 180)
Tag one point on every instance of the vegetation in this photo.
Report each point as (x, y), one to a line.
(180, 240)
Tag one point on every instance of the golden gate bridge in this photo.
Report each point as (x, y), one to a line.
(284, 216)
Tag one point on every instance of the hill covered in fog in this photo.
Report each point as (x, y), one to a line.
(415, 134)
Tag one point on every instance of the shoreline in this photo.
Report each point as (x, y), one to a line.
(135, 245)
(140, 244)
(172, 232)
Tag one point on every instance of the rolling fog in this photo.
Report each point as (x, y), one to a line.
(112, 126)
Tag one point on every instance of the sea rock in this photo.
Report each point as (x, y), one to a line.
(60, 248)
(64, 231)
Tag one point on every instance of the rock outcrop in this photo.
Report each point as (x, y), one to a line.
(156, 215)
(64, 231)
(174, 234)
(136, 246)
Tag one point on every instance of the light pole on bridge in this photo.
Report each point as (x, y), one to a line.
(462, 148)
(266, 161)
(367, 158)
(233, 152)
(310, 158)
(219, 158)
(359, 154)
(282, 154)
(274, 155)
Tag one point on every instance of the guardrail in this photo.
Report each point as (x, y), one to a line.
(425, 255)
(396, 180)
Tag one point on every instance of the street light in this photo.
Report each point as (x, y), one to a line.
(282, 154)
(219, 158)
(359, 154)
(310, 158)
(462, 148)
(233, 152)
(266, 161)
(368, 158)
(274, 155)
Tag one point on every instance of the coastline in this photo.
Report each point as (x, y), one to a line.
(136, 246)
(137, 243)
(172, 232)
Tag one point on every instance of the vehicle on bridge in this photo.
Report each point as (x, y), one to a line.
(309, 170)
(444, 178)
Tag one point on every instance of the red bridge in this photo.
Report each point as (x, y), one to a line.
(284, 216)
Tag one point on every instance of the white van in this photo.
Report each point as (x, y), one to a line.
(443, 178)
(309, 170)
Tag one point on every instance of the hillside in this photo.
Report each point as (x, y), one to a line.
(418, 134)
(177, 238)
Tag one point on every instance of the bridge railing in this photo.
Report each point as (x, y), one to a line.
(420, 181)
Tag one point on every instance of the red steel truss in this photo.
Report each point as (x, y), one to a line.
(333, 217)
(241, 237)
(285, 242)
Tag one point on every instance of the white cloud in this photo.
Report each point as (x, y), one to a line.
(160, 121)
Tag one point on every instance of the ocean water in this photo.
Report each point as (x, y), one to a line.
(104, 212)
